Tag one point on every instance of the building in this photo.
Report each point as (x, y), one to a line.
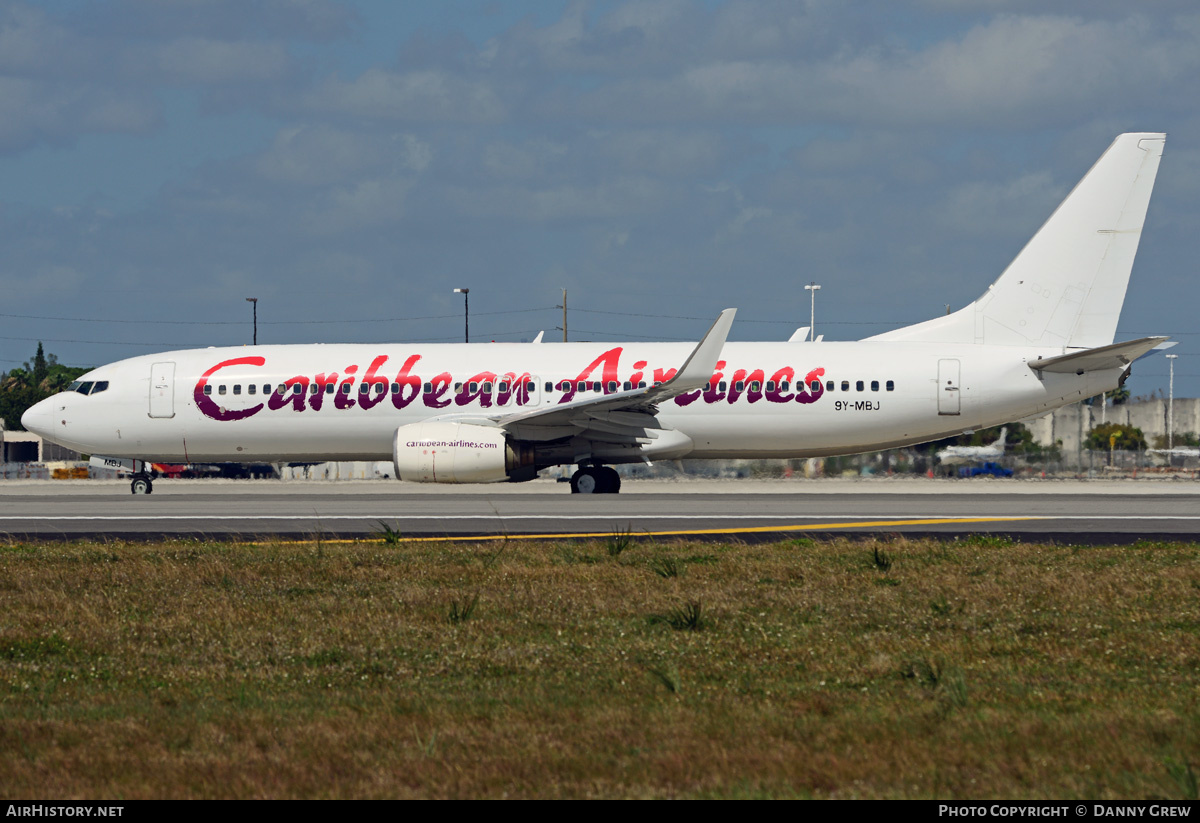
(1069, 425)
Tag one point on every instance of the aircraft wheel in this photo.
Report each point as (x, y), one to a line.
(585, 481)
(610, 481)
(596, 480)
(141, 484)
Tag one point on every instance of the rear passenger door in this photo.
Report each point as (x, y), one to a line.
(949, 393)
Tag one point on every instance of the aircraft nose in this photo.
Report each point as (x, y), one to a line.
(39, 418)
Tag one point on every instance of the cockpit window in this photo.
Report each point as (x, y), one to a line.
(88, 386)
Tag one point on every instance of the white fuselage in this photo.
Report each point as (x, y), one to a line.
(208, 405)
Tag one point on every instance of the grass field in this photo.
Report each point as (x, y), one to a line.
(973, 669)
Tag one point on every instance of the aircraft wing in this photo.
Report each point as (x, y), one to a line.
(619, 417)
(1116, 356)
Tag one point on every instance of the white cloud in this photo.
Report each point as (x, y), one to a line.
(319, 154)
(207, 61)
(617, 198)
(34, 111)
(407, 96)
(1009, 70)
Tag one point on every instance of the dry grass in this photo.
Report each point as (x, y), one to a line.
(894, 669)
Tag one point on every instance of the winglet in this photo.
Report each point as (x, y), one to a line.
(698, 369)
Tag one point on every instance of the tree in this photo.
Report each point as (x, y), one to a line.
(1116, 436)
(39, 365)
(1188, 439)
(1118, 396)
(20, 388)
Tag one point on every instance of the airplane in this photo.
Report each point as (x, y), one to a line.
(1040, 337)
(1178, 451)
(952, 455)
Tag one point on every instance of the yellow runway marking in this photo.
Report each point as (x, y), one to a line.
(744, 530)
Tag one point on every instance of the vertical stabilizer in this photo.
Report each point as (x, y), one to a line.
(1066, 287)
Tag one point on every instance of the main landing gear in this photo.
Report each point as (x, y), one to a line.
(595, 480)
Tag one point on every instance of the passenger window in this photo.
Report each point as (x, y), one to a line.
(722, 386)
(458, 388)
(581, 387)
(237, 388)
(330, 388)
(859, 385)
(345, 388)
(313, 389)
(845, 385)
(297, 388)
(829, 386)
(770, 385)
(429, 388)
(626, 386)
(221, 389)
(612, 385)
(891, 385)
(473, 387)
(784, 386)
(487, 387)
(815, 386)
(549, 387)
(208, 391)
(251, 388)
(874, 385)
(740, 385)
(642, 385)
(281, 389)
(266, 388)
(755, 386)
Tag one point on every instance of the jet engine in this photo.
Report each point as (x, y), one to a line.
(445, 452)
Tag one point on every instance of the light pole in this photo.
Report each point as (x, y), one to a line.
(812, 288)
(564, 308)
(466, 313)
(254, 300)
(1171, 404)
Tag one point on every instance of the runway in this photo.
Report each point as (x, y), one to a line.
(1062, 511)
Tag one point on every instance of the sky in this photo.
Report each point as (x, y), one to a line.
(349, 164)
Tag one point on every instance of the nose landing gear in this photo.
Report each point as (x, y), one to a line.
(595, 480)
(140, 484)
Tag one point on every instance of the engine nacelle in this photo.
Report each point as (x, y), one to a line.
(459, 453)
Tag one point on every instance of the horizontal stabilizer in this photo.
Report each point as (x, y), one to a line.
(1116, 356)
